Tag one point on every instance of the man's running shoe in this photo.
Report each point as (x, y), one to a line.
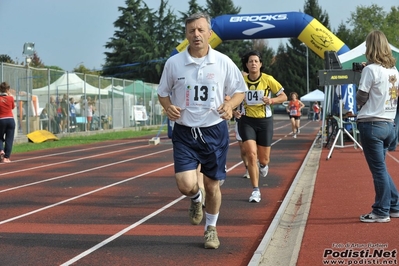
(195, 211)
(211, 238)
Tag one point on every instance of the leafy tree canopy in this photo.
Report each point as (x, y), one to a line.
(366, 19)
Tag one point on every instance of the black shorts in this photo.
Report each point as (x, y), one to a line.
(296, 117)
(258, 129)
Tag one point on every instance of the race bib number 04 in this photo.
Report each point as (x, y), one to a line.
(201, 96)
(254, 97)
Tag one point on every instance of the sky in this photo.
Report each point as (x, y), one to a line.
(74, 32)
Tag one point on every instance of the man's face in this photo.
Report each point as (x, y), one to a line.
(198, 34)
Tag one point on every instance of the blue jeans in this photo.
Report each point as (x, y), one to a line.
(394, 143)
(315, 116)
(7, 129)
(375, 138)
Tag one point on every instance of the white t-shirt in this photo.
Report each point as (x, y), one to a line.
(90, 110)
(198, 87)
(382, 85)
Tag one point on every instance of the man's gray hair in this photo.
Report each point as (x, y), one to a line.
(199, 15)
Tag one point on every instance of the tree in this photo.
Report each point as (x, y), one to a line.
(193, 7)
(162, 42)
(344, 34)
(82, 69)
(122, 60)
(391, 26)
(141, 44)
(366, 19)
(36, 61)
(6, 59)
(280, 65)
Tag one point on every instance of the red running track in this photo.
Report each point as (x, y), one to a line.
(343, 191)
(116, 203)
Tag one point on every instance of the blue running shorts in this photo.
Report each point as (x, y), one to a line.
(205, 145)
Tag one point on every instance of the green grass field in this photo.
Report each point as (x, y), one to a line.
(72, 139)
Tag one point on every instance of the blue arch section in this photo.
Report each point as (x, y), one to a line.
(274, 25)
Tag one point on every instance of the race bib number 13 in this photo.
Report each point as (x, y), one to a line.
(201, 96)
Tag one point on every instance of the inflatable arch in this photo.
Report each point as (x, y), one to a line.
(268, 26)
(273, 25)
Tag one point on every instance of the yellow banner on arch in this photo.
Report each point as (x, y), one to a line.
(319, 38)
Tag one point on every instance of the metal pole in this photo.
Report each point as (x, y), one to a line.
(28, 102)
(307, 69)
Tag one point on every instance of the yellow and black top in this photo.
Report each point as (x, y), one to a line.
(264, 86)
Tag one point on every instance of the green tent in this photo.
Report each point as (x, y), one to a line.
(356, 55)
(140, 88)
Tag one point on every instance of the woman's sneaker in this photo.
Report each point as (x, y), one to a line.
(394, 214)
(373, 218)
(255, 196)
(246, 175)
(264, 170)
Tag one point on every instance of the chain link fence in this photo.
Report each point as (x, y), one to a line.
(67, 102)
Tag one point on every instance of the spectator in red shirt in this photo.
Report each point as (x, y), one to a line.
(316, 111)
(7, 122)
(294, 109)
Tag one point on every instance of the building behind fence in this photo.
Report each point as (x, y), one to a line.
(118, 103)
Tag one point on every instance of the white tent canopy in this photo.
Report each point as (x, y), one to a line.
(357, 55)
(69, 84)
(316, 95)
(117, 87)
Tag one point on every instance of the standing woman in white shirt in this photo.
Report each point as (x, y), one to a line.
(377, 96)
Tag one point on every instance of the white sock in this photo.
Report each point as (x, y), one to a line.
(211, 219)
(197, 197)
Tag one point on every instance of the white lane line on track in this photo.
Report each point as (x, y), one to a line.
(83, 171)
(73, 160)
(127, 229)
(83, 195)
(120, 233)
(390, 155)
(78, 150)
(90, 192)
